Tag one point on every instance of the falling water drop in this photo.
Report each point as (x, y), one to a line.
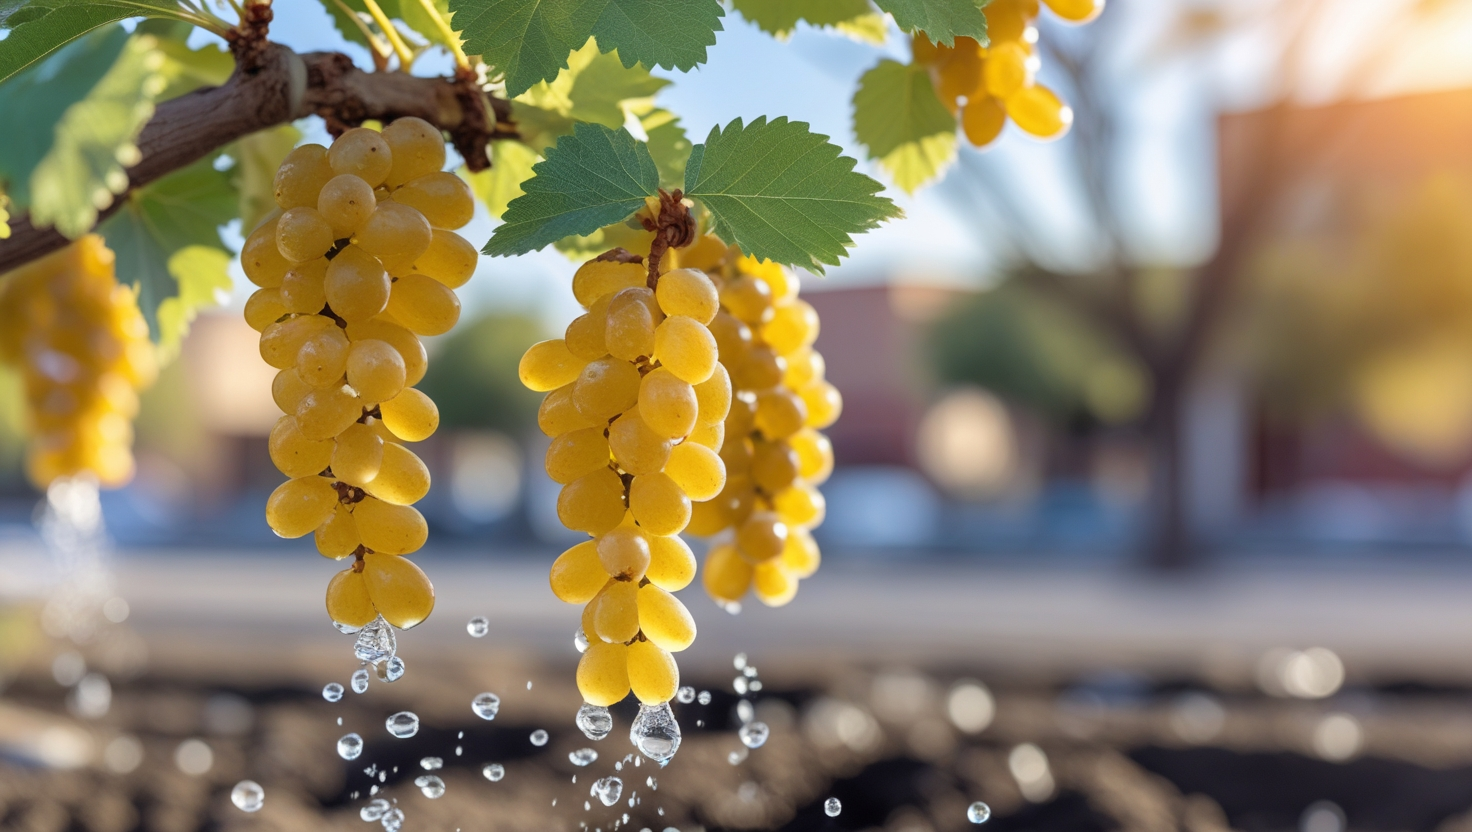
(332, 692)
(350, 746)
(580, 640)
(493, 771)
(832, 807)
(403, 724)
(703, 698)
(607, 790)
(478, 626)
(582, 757)
(393, 669)
(656, 733)
(248, 796)
(595, 722)
(431, 763)
(374, 810)
(376, 642)
(685, 695)
(431, 786)
(392, 820)
(360, 680)
(486, 705)
(539, 738)
(753, 734)
(978, 812)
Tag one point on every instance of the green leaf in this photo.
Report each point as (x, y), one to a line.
(257, 157)
(416, 17)
(40, 27)
(203, 277)
(344, 24)
(593, 178)
(625, 235)
(68, 176)
(672, 34)
(511, 165)
(596, 87)
(902, 122)
(184, 209)
(942, 20)
(668, 145)
(782, 192)
(780, 17)
(187, 69)
(867, 28)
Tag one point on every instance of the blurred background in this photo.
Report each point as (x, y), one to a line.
(1152, 508)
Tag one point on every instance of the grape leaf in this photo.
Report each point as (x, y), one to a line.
(39, 27)
(156, 222)
(866, 28)
(596, 87)
(942, 20)
(665, 33)
(511, 165)
(782, 192)
(592, 178)
(902, 122)
(780, 17)
(202, 274)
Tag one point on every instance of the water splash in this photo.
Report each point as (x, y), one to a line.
(392, 820)
(607, 790)
(595, 722)
(375, 810)
(376, 642)
(656, 733)
(391, 670)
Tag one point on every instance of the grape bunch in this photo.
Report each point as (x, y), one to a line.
(990, 84)
(636, 404)
(83, 348)
(774, 454)
(359, 261)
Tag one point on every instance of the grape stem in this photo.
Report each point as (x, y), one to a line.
(673, 227)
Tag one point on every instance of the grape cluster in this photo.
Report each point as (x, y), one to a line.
(359, 262)
(83, 347)
(989, 84)
(774, 454)
(636, 403)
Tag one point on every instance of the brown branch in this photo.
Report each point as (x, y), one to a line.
(275, 87)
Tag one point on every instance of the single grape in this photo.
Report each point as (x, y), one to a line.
(1009, 20)
(363, 153)
(450, 259)
(814, 455)
(711, 436)
(547, 365)
(824, 404)
(324, 412)
(686, 348)
(1039, 112)
(302, 234)
(624, 553)
(793, 326)
(281, 341)
(346, 202)
(586, 336)
(960, 70)
(733, 337)
(688, 292)
(390, 529)
(557, 414)
(713, 397)
(671, 563)
(375, 369)
(357, 455)
(338, 536)
(578, 575)
(759, 368)
(748, 299)
(653, 675)
(596, 278)
(348, 602)
(629, 329)
(263, 308)
(443, 198)
(667, 404)
(1008, 69)
(260, 259)
(772, 584)
(616, 618)
(411, 415)
(300, 505)
(773, 465)
(727, 576)
(779, 414)
(593, 503)
(664, 620)
(417, 147)
(603, 675)
(658, 504)
(302, 289)
(804, 367)
(800, 556)
(1075, 11)
(606, 388)
(396, 234)
(404, 342)
(357, 287)
(403, 478)
(323, 358)
(288, 390)
(636, 448)
(423, 305)
(762, 537)
(295, 455)
(800, 505)
(301, 176)
(697, 470)
(982, 120)
(400, 590)
(576, 454)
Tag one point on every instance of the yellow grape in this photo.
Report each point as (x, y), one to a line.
(1008, 69)
(824, 404)
(653, 675)
(288, 390)
(576, 454)
(1039, 112)
(671, 563)
(260, 259)
(741, 419)
(263, 308)
(403, 478)
(629, 330)
(590, 610)
(800, 556)
(375, 369)
(411, 415)
(324, 412)
(783, 287)
(773, 465)
(1009, 20)
(593, 503)
(404, 342)
(357, 287)
(772, 584)
(557, 413)
(400, 590)
(697, 470)
(737, 454)
(760, 368)
(390, 529)
(302, 235)
(363, 153)
(624, 553)
(338, 537)
(443, 198)
(396, 234)
(303, 290)
(779, 414)
(667, 404)
(686, 348)
(423, 305)
(983, 119)
(814, 455)
(577, 574)
(658, 504)
(636, 448)
(417, 147)
(688, 292)
(346, 202)
(793, 326)
(617, 615)
(726, 575)
(586, 336)
(713, 397)
(748, 299)
(1076, 11)
(733, 337)
(281, 341)
(706, 253)
(547, 365)
(603, 675)
(761, 537)
(357, 455)
(804, 367)
(323, 358)
(960, 70)
(606, 388)
(595, 278)
(300, 505)
(711, 436)
(295, 455)
(302, 174)
(347, 599)
(664, 620)
(450, 259)
(800, 505)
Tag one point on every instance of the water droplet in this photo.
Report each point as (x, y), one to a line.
(528, 684)
(703, 698)
(595, 722)
(652, 783)
(608, 790)
(431, 786)
(978, 812)
(582, 757)
(374, 810)
(486, 705)
(248, 796)
(539, 738)
(580, 640)
(749, 671)
(376, 642)
(740, 685)
(393, 669)
(753, 734)
(332, 692)
(685, 695)
(732, 607)
(478, 626)
(656, 733)
(756, 685)
(739, 662)
(493, 771)
(350, 746)
(360, 680)
(744, 711)
(392, 820)
(431, 763)
(339, 721)
(738, 756)
(459, 751)
(831, 807)
(403, 724)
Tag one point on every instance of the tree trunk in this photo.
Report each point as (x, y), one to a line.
(1168, 543)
